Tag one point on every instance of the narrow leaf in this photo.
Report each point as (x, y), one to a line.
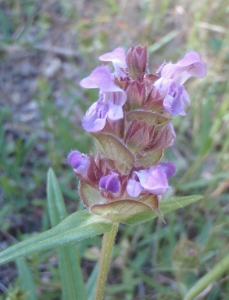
(165, 206)
(78, 226)
(56, 207)
(91, 283)
(70, 272)
(26, 279)
(178, 202)
(68, 259)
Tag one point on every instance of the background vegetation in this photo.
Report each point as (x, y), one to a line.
(46, 48)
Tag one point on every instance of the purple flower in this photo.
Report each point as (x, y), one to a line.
(173, 76)
(79, 162)
(109, 105)
(175, 100)
(133, 188)
(153, 180)
(101, 78)
(189, 65)
(110, 183)
(95, 118)
(118, 58)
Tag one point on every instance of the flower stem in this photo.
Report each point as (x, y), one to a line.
(107, 246)
(210, 277)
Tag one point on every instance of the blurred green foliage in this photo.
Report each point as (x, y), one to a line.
(145, 262)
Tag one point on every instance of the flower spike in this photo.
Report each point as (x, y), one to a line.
(131, 121)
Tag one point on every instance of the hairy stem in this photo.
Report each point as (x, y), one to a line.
(107, 246)
(210, 277)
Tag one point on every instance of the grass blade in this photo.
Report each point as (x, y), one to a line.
(91, 283)
(68, 259)
(26, 279)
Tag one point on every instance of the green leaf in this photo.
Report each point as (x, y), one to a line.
(56, 207)
(26, 279)
(68, 258)
(80, 225)
(175, 203)
(133, 213)
(91, 283)
(5, 26)
(70, 272)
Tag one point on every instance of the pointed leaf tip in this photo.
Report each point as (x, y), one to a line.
(76, 227)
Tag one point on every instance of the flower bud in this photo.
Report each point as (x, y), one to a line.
(78, 161)
(136, 59)
(110, 185)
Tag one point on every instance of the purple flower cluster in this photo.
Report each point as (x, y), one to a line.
(131, 124)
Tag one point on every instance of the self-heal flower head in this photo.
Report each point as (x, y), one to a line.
(131, 121)
(173, 76)
(153, 180)
(117, 57)
(109, 105)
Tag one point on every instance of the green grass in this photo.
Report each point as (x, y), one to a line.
(150, 261)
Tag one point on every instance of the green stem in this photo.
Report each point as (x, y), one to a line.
(210, 277)
(107, 246)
